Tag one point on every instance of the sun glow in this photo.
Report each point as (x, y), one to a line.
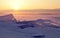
(16, 7)
(16, 4)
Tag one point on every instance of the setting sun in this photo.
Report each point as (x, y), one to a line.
(16, 4)
(29, 4)
(15, 7)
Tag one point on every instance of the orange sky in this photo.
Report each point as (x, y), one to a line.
(29, 4)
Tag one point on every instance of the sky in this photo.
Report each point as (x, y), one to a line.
(29, 4)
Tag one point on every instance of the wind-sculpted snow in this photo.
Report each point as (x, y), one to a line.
(50, 28)
(43, 28)
(41, 23)
(13, 31)
(7, 18)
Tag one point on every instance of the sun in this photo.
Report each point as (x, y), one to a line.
(16, 4)
(16, 7)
